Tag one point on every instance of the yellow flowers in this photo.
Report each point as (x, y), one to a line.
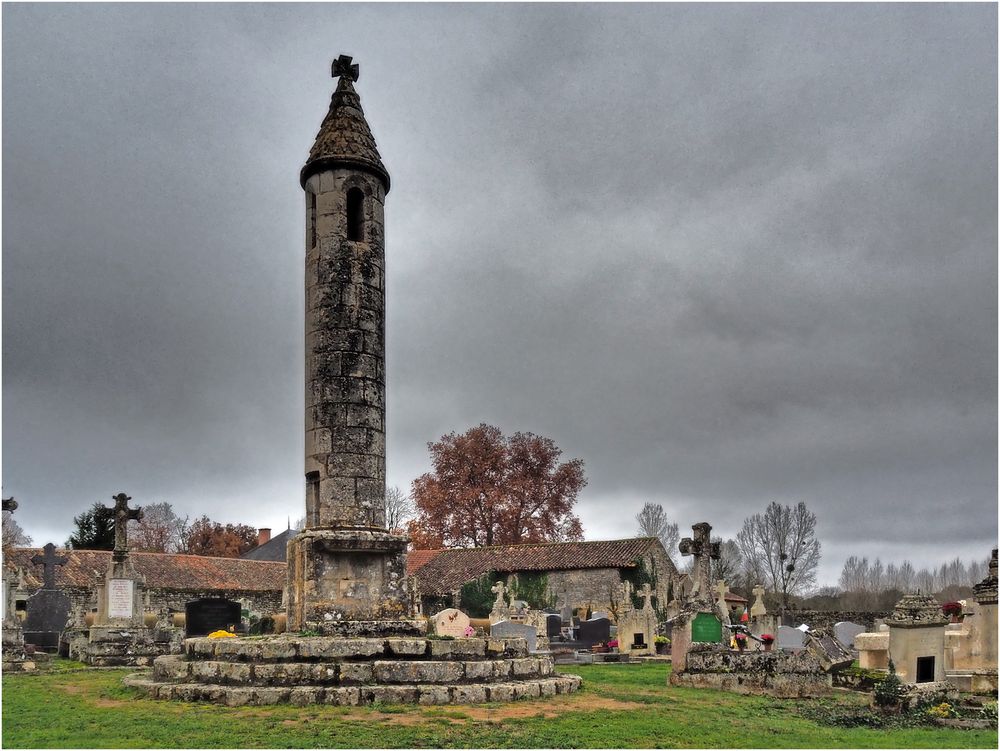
(220, 634)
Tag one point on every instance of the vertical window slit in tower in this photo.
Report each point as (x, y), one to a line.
(312, 499)
(311, 224)
(355, 214)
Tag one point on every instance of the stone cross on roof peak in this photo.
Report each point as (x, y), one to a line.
(342, 67)
(49, 561)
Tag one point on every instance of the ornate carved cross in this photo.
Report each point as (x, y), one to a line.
(9, 504)
(758, 605)
(123, 514)
(342, 67)
(646, 594)
(49, 561)
(703, 550)
(499, 590)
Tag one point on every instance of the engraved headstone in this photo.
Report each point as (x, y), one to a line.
(845, 631)
(553, 625)
(48, 608)
(595, 631)
(451, 622)
(511, 629)
(790, 638)
(121, 596)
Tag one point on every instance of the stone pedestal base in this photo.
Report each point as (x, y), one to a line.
(107, 646)
(339, 579)
(333, 670)
(776, 673)
(14, 658)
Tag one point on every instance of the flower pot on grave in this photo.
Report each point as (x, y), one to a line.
(768, 645)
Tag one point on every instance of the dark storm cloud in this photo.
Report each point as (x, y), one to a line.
(724, 254)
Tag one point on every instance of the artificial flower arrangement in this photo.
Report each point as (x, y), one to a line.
(221, 634)
(952, 609)
(470, 631)
(613, 644)
(767, 638)
(660, 639)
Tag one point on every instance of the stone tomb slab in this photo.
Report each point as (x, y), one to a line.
(790, 638)
(845, 631)
(451, 622)
(553, 625)
(48, 612)
(507, 629)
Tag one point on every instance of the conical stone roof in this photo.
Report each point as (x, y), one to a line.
(344, 138)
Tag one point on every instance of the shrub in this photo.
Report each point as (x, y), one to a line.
(888, 692)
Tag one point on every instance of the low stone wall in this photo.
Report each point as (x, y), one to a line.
(776, 673)
(825, 619)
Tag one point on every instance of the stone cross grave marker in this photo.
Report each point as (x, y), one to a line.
(646, 593)
(790, 638)
(9, 504)
(48, 562)
(704, 551)
(758, 608)
(499, 589)
(511, 629)
(451, 622)
(845, 631)
(123, 515)
(720, 587)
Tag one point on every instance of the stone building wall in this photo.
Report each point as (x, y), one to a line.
(825, 619)
(581, 588)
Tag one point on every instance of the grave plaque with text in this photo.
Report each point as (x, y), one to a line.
(706, 627)
(120, 598)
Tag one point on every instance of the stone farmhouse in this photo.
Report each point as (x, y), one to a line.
(579, 574)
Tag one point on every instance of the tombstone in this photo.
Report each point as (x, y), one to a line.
(511, 629)
(553, 624)
(452, 622)
(845, 631)
(599, 614)
(637, 628)
(119, 599)
(706, 628)
(48, 608)
(758, 610)
(832, 653)
(501, 610)
(790, 638)
(202, 617)
(704, 551)
(595, 631)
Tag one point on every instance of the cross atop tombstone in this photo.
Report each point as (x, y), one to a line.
(720, 587)
(758, 608)
(9, 504)
(123, 514)
(342, 67)
(704, 551)
(49, 561)
(646, 594)
(498, 589)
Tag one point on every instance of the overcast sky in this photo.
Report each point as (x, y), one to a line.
(723, 254)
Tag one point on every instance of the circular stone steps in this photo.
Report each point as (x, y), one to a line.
(351, 671)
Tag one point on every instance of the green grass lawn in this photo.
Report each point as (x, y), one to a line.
(618, 706)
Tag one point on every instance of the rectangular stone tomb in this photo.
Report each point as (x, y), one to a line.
(508, 629)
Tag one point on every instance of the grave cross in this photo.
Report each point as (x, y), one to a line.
(49, 561)
(646, 594)
(720, 587)
(123, 514)
(499, 590)
(342, 67)
(703, 550)
(758, 606)
(9, 504)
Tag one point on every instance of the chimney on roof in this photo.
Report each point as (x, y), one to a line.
(263, 535)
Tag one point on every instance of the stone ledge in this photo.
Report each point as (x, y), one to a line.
(353, 695)
(320, 648)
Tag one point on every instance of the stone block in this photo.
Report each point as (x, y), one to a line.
(344, 696)
(204, 671)
(270, 695)
(238, 697)
(433, 695)
(547, 688)
(356, 672)
(233, 672)
(278, 649)
(457, 648)
(389, 694)
(526, 690)
(300, 696)
(407, 671)
(524, 667)
(406, 646)
(500, 692)
(469, 694)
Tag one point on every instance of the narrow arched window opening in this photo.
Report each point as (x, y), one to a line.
(355, 214)
(310, 219)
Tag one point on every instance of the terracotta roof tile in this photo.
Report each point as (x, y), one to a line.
(417, 559)
(449, 569)
(162, 570)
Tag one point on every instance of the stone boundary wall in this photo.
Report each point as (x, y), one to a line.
(825, 619)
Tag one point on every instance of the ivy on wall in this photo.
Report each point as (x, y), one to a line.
(533, 588)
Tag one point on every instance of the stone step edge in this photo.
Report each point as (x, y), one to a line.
(176, 669)
(285, 648)
(425, 694)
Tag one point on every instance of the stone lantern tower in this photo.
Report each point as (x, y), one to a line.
(346, 572)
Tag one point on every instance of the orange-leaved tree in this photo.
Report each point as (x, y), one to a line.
(488, 489)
